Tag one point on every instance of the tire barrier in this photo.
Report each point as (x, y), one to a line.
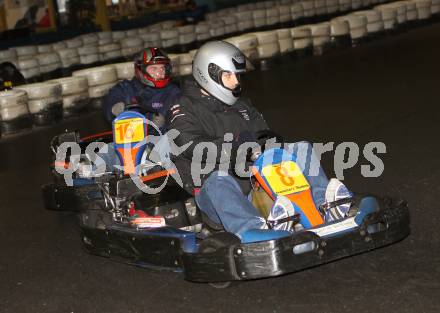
(45, 102)
(265, 31)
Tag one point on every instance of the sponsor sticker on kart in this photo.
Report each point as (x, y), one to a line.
(285, 178)
(149, 222)
(129, 130)
(335, 228)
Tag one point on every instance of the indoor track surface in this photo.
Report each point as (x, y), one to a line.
(387, 90)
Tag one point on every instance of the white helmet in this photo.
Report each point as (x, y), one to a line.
(210, 61)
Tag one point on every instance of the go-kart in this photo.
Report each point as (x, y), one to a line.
(168, 231)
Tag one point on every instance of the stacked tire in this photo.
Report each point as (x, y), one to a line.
(75, 94)
(100, 80)
(170, 40)
(185, 64)
(8, 56)
(109, 52)
(187, 37)
(202, 33)
(268, 46)
(45, 102)
(124, 70)
(340, 34)
(70, 59)
(320, 37)
(375, 24)
(14, 113)
(302, 41)
(151, 39)
(131, 46)
(245, 21)
(50, 65)
(88, 55)
(27, 64)
(285, 41)
(247, 43)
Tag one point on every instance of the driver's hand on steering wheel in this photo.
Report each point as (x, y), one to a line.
(118, 108)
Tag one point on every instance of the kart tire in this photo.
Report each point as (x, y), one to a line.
(124, 70)
(88, 50)
(59, 45)
(132, 33)
(217, 32)
(185, 58)
(100, 91)
(72, 85)
(131, 42)
(268, 50)
(13, 112)
(14, 97)
(109, 47)
(67, 54)
(167, 34)
(98, 75)
(105, 35)
(16, 125)
(131, 51)
(187, 38)
(73, 104)
(150, 37)
(40, 105)
(42, 90)
(50, 115)
(73, 43)
(187, 29)
(265, 38)
(201, 28)
(96, 103)
(245, 25)
(25, 64)
(44, 49)
(26, 50)
(185, 69)
(89, 39)
(244, 42)
(8, 54)
(48, 58)
(118, 35)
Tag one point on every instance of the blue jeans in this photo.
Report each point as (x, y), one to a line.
(223, 201)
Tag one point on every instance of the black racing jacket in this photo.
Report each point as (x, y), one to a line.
(199, 118)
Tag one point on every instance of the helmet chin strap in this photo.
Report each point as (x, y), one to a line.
(236, 91)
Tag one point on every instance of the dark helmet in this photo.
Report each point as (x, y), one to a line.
(150, 56)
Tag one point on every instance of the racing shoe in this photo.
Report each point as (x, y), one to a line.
(336, 190)
(282, 209)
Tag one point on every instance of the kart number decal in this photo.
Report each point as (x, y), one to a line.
(285, 178)
(129, 130)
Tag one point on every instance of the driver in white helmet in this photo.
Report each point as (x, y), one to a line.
(212, 111)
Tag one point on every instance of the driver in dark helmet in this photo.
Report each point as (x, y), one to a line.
(211, 110)
(150, 89)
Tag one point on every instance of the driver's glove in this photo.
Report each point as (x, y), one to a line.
(118, 108)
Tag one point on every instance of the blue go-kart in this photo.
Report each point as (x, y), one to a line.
(166, 230)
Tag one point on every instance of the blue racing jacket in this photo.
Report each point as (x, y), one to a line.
(157, 100)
